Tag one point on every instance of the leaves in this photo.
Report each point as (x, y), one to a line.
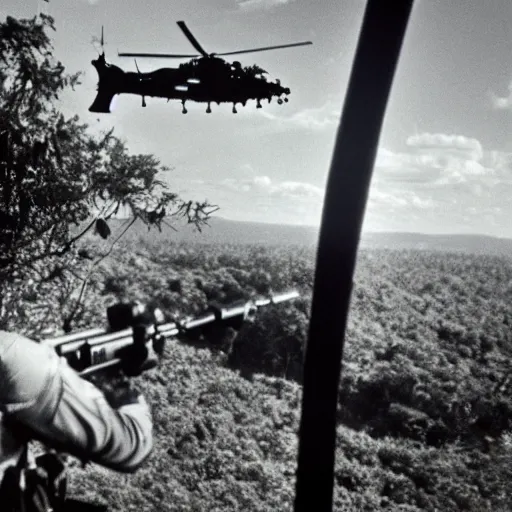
(57, 179)
(102, 228)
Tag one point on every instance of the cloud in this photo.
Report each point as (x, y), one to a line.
(298, 190)
(404, 167)
(263, 185)
(454, 144)
(436, 160)
(502, 102)
(314, 118)
(263, 182)
(252, 5)
(262, 198)
(400, 199)
(441, 182)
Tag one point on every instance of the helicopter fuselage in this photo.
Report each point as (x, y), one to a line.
(200, 80)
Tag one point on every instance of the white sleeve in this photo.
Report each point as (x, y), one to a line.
(41, 391)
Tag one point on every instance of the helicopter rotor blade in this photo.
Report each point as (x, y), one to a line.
(266, 48)
(192, 39)
(157, 55)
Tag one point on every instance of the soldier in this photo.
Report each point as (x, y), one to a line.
(42, 397)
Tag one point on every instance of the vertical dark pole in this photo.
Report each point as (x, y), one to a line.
(376, 58)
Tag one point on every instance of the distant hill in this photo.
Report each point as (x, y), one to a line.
(474, 244)
(223, 231)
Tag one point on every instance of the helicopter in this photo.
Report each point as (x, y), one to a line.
(205, 78)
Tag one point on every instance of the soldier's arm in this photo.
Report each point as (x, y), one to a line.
(39, 390)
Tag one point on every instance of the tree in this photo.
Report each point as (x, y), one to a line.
(59, 181)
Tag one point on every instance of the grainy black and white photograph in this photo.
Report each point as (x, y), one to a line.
(255, 255)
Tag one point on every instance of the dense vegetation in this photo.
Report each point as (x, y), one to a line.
(424, 401)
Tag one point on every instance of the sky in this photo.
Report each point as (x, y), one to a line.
(444, 162)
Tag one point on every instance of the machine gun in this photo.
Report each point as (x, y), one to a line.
(132, 341)
(136, 336)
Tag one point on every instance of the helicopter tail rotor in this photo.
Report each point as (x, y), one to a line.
(100, 41)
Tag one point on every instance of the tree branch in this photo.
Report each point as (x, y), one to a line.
(70, 317)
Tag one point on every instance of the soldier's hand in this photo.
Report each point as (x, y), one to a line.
(120, 391)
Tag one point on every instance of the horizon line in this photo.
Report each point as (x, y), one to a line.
(368, 232)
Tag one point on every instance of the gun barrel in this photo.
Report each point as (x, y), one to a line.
(111, 336)
(286, 296)
(278, 298)
(198, 321)
(99, 367)
(77, 336)
(95, 349)
(85, 337)
(168, 330)
(225, 312)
